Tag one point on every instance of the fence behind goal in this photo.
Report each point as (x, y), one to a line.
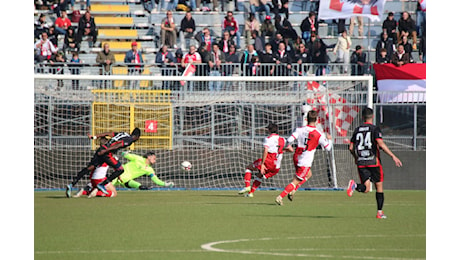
(219, 132)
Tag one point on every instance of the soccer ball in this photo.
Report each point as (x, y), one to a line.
(186, 166)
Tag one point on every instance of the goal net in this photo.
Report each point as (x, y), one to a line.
(219, 132)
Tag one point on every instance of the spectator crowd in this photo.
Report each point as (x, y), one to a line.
(272, 46)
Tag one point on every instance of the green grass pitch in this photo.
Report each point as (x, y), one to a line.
(191, 224)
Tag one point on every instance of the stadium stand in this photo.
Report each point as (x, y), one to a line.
(122, 21)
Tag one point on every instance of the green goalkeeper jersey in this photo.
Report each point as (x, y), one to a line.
(135, 168)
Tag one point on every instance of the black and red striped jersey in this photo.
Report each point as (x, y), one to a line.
(365, 144)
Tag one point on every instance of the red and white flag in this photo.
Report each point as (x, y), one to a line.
(340, 113)
(342, 9)
(188, 72)
(422, 4)
(401, 84)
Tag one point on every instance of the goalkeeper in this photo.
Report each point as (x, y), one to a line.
(136, 167)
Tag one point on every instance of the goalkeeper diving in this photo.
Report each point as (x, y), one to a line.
(136, 167)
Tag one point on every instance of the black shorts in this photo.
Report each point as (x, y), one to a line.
(107, 158)
(375, 174)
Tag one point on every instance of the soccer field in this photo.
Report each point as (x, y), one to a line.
(186, 224)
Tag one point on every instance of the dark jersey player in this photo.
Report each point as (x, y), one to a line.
(364, 146)
(105, 154)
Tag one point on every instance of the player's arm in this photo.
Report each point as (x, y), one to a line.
(351, 148)
(326, 142)
(157, 180)
(111, 134)
(387, 150)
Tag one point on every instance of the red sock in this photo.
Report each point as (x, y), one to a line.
(288, 189)
(255, 185)
(247, 178)
(300, 183)
(102, 194)
(84, 193)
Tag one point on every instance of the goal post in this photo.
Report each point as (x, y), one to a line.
(219, 132)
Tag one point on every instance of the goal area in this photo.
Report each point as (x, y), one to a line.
(219, 132)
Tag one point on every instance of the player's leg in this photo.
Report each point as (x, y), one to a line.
(258, 179)
(247, 182)
(301, 174)
(377, 177)
(84, 191)
(364, 186)
(77, 178)
(96, 192)
(114, 163)
(291, 194)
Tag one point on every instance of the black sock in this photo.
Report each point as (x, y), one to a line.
(80, 175)
(114, 175)
(379, 197)
(361, 187)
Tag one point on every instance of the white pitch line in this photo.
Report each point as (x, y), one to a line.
(119, 251)
(210, 247)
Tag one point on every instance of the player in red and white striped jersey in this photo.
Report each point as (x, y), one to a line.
(271, 157)
(308, 138)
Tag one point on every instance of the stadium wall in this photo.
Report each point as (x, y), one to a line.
(412, 176)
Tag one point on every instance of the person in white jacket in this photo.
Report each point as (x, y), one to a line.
(342, 50)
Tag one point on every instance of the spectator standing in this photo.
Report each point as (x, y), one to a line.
(57, 62)
(288, 31)
(259, 6)
(342, 49)
(62, 23)
(360, 25)
(406, 27)
(358, 61)
(400, 57)
(230, 24)
(87, 27)
(74, 67)
(386, 43)
(226, 42)
(390, 25)
(302, 57)
(165, 60)
(283, 60)
(246, 59)
(308, 26)
(267, 29)
(267, 57)
(193, 58)
(319, 55)
(44, 48)
(187, 29)
(105, 59)
(422, 48)
(251, 24)
(215, 62)
(168, 30)
(231, 64)
(135, 63)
